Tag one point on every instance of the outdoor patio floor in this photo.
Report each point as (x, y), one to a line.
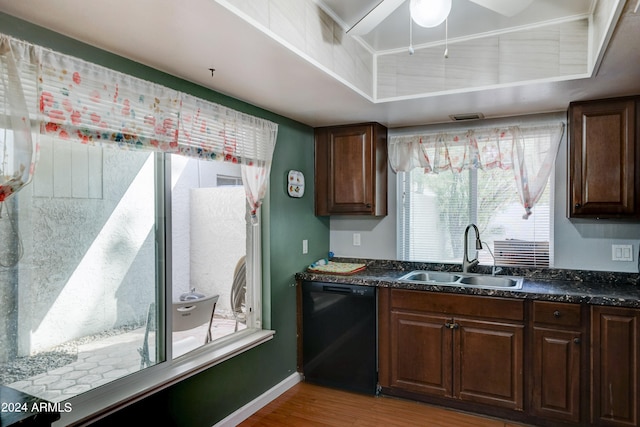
(99, 362)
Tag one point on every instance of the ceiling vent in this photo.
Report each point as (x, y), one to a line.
(463, 117)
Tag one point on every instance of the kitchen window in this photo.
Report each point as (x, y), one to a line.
(436, 209)
(497, 179)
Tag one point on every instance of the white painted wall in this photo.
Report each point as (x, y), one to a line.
(377, 235)
(578, 244)
(64, 286)
(218, 241)
(208, 229)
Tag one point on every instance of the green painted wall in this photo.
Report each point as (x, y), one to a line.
(208, 397)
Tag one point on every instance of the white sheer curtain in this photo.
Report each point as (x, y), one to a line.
(535, 151)
(18, 148)
(529, 151)
(255, 174)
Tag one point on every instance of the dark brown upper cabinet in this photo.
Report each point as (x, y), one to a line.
(604, 162)
(351, 170)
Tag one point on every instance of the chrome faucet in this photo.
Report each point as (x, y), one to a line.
(494, 269)
(466, 264)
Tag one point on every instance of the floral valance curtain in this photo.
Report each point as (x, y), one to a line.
(80, 101)
(529, 151)
(214, 132)
(94, 105)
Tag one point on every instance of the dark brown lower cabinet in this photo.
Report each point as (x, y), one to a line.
(465, 348)
(536, 361)
(421, 351)
(488, 362)
(557, 374)
(614, 364)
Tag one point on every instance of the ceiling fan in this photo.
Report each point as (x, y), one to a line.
(430, 13)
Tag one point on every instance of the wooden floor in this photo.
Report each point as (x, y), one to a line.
(311, 405)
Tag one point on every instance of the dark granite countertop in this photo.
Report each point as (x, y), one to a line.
(575, 286)
(21, 409)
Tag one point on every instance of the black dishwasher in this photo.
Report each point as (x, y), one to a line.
(339, 336)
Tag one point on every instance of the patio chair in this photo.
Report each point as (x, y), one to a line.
(239, 292)
(186, 315)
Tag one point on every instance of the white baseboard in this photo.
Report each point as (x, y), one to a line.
(259, 402)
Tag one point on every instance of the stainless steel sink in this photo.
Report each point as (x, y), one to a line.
(430, 277)
(492, 281)
(463, 279)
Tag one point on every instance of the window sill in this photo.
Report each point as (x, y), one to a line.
(102, 401)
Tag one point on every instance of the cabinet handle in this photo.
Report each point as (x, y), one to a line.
(578, 205)
(368, 205)
(451, 325)
(576, 340)
(556, 314)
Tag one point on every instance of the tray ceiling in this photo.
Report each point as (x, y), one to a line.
(272, 63)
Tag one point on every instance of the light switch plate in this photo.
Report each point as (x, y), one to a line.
(622, 252)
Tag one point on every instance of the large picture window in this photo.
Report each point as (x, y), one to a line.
(85, 299)
(131, 251)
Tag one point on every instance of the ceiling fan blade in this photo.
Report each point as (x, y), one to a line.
(374, 17)
(505, 7)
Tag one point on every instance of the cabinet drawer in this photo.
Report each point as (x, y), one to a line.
(503, 309)
(556, 313)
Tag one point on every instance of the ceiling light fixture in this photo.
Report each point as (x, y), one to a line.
(429, 13)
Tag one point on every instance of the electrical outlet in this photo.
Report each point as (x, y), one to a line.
(305, 246)
(622, 252)
(356, 239)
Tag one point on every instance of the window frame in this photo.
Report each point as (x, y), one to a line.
(403, 197)
(113, 396)
(103, 400)
(109, 398)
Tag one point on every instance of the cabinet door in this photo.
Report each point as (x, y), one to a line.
(351, 170)
(614, 356)
(556, 374)
(602, 159)
(421, 353)
(488, 363)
